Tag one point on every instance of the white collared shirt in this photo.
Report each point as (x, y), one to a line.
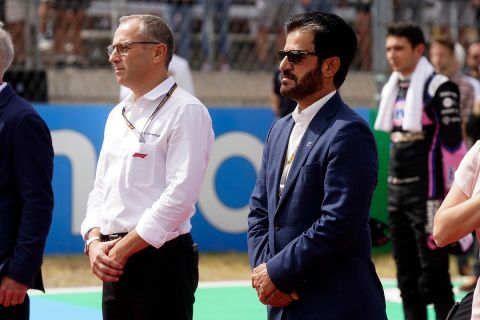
(151, 187)
(302, 121)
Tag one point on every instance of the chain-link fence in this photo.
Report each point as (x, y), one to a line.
(51, 36)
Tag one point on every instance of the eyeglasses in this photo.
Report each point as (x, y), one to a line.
(123, 47)
(294, 56)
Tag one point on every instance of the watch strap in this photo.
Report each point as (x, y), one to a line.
(88, 243)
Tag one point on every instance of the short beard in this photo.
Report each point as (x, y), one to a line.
(307, 85)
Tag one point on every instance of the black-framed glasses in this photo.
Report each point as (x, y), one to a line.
(294, 56)
(123, 47)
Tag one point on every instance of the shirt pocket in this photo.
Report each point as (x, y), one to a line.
(141, 165)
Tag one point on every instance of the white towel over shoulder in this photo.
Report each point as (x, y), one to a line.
(412, 120)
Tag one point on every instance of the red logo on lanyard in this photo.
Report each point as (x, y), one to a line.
(139, 155)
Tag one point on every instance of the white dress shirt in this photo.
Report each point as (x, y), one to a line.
(302, 121)
(151, 187)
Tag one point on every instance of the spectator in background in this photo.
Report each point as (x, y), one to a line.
(473, 59)
(180, 20)
(442, 57)
(70, 17)
(473, 69)
(363, 29)
(216, 14)
(26, 195)
(465, 18)
(409, 10)
(460, 56)
(317, 5)
(45, 34)
(271, 16)
(420, 110)
(15, 16)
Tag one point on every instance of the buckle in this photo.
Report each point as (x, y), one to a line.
(112, 236)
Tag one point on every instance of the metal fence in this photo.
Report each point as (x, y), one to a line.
(213, 35)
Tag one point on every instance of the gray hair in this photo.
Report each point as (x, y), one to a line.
(153, 28)
(6, 50)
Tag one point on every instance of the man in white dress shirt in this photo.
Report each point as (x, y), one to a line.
(155, 152)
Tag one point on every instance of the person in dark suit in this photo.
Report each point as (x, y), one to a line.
(26, 196)
(308, 234)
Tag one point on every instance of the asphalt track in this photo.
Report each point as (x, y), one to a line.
(233, 300)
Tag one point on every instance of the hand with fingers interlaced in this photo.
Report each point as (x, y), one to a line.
(103, 266)
(266, 290)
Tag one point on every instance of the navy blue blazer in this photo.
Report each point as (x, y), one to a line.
(315, 238)
(26, 195)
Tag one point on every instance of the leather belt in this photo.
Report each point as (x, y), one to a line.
(112, 236)
(396, 137)
(178, 240)
(395, 180)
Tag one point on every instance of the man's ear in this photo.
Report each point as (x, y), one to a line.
(160, 53)
(420, 49)
(330, 66)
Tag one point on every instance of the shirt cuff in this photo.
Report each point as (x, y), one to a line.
(150, 231)
(88, 224)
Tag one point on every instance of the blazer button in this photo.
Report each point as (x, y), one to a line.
(277, 227)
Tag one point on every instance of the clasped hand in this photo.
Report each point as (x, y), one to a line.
(266, 290)
(12, 292)
(103, 263)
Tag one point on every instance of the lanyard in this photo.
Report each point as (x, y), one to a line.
(286, 171)
(141, 134)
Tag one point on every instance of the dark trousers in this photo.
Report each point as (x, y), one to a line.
(156, 284)
(422, 269)
(18, 312)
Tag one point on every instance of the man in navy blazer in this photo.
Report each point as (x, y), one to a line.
(26, 196)
(308, 236)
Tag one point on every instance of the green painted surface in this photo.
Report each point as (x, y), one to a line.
(379, 202)
(238, 302)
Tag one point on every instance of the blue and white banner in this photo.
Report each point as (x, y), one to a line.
(220, 223)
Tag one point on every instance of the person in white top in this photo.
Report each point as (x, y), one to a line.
(459, 213)
(156, 148)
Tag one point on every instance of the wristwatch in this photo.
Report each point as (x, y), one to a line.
(88, 243)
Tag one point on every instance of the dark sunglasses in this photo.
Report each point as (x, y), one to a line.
(294, 56)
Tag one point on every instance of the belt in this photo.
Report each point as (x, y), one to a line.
(112, 236)
(395, 180)
(183, 238)
(406, 136)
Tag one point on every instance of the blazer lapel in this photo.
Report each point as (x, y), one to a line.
(282, 144)
(317, 126)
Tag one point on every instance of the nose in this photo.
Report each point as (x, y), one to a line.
(284, 64)
(114, 57)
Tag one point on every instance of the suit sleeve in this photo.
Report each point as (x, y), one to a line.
(350, 178)
(258, 250)
(33, 158)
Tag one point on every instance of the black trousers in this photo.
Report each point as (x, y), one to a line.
(156, 284)
(422, 268)
(18, 312)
